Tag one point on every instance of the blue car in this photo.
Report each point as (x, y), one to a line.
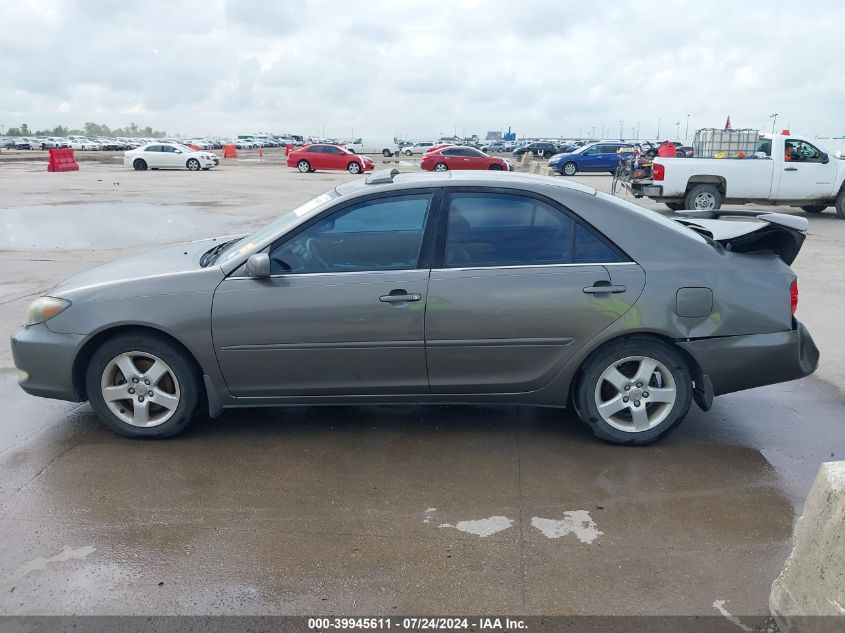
(600, 156)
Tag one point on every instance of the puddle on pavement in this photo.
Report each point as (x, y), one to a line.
(112, 225)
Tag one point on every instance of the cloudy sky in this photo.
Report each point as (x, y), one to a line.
(422, 68)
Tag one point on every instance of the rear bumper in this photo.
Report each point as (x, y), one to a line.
(44, 360)
(734, 363)
(647, 190)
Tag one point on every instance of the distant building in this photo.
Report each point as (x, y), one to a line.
(493, 136)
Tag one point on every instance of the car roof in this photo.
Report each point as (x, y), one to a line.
(458, 178)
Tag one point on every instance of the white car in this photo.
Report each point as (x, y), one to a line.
(82, 143)
(373, 145)
(169, 156)
(417, 148)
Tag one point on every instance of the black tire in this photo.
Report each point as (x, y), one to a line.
(354, 168)
(191, 392)
(193, 164)
(675, 206)
(547, 154)
(703, 193)
(495, 168)
(815, 208)
(840, 205)
(569, 169)
(139, 164)
(441, 167)
(386, 153)
(584, 393)
(304, 166)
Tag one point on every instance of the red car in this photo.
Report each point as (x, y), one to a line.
(314, 157)
(462, 158)
(438, 147)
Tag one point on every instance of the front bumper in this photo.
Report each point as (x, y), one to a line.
(734, 363)
(47, 360)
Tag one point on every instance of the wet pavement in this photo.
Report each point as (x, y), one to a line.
(358, 510)
(105, 225)
(393, 510)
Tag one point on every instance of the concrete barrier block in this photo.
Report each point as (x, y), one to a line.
(812, 582)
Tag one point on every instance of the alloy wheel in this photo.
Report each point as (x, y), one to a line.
(635, 394)
(140, 389)
(704, 201)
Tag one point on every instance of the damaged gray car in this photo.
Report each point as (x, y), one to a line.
(463, 287)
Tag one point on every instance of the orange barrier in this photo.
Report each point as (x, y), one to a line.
(62, 160)
(230, 151)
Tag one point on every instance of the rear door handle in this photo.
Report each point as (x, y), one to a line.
(399, 296)
(790, 169)
(600, 290)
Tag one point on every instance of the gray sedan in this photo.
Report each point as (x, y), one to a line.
(433, 288)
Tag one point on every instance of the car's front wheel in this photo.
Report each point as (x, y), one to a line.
(634, 391)
(814, 208)
(495, 167)
(675, 206)
(569, 169)
(353, 168)
(140, 164)
(142, 385)
(386, 153)
(193, 164)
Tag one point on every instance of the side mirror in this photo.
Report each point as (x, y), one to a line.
(825, 158)
(178, 151)
(258, 266)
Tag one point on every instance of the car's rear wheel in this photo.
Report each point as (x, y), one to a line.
(441, 167)
(304, 166)
(815, 208)
(569, 169)
(495, 167)
(139, 164)
(142, 385)
(634, 391)
(193, 164)
(386, 153)
(703, 198)
(353, 168)
(675, 206)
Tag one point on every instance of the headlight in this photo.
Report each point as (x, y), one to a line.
(44, 309)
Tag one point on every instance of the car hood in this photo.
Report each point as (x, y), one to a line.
(561, 156)
(171, 270)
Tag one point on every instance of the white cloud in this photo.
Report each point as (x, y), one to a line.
(421, 68)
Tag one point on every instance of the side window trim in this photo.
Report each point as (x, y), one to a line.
(426, 243)
(438, 261)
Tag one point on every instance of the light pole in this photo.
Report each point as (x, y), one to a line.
(658, 128)
(638, 131)
(602, 130)
(774, 118)
(621, 131)
(593, 133)
(686, 132)
(678, 125)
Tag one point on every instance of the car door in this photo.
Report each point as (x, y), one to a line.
(474, 159)
(334, 158)
(589, 159)
(515, 292)
(805, 176)
(172, 157)
(343, 311)
(154, 156)
(454, 158)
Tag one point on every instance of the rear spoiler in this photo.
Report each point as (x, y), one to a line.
(771, 233)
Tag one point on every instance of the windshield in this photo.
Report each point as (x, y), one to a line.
(654, 216)
(277, 226)
(578, 150)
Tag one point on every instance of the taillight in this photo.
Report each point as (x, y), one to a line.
(793, 296)
(658, 171)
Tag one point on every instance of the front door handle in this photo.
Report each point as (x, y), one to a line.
(605, 289)
(399, 296)
(790, 169)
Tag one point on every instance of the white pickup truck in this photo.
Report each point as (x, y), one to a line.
(785, 170)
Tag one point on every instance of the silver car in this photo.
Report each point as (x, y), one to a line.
(461, 287)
